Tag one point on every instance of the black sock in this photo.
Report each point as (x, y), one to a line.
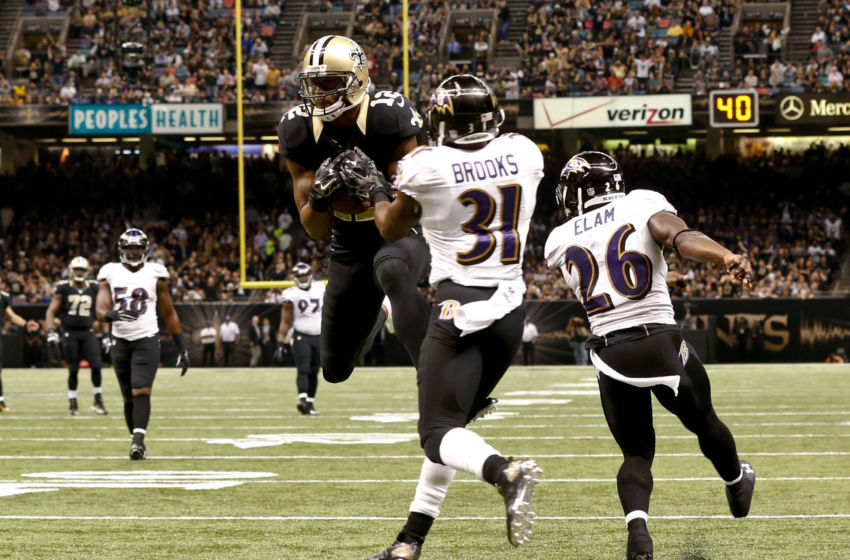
(494, 468)
(416, 528)
(128, 415)
(141, 411)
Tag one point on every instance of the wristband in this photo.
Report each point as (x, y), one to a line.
(178, 340)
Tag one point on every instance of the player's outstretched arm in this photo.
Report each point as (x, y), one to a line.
(286, 320)
(52, 309)
(671, 231)
(394, 218)
(165, 306)
(318, 224)
(103, 301)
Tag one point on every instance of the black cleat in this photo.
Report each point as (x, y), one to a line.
(72, 407)
(98, 405)
(639, 546)
(311, 410)
(740, 494)
(138, 452)
(399, 551)
(522, 474)
(485, 407)
(302, 407)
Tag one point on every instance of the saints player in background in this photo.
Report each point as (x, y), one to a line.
(6, 312)
(73, 300)
(300, 325)
(129, 296)
(610, 252)
(474, 192)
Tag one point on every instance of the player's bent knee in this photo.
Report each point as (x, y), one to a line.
(430, 440)
(390, 271)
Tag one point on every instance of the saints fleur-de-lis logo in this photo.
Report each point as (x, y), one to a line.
(359, 58)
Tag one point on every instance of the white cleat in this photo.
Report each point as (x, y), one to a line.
(522, 475)
(389, 310)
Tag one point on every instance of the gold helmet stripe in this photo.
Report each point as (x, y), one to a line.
(317, 55)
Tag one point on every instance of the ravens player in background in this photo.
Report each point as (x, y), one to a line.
(300, 325)
(610, 252)
(6, 312)
(73, 300)
(129, 296)
(475, 192)
(337, 116)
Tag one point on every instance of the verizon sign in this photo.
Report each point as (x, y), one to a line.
(633, 111)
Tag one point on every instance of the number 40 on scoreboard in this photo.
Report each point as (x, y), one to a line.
(737, 108)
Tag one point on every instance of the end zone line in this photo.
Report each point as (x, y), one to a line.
(370, 518)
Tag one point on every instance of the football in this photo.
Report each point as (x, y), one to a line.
(347, 204)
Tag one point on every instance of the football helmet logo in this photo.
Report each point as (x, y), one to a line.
(588, 180)
(334, 77)
(133, 247)
(464, 112)
(78, 269)
(303, 275)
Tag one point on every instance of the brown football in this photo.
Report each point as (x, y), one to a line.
(347, 204)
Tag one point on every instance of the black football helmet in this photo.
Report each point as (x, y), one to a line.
(303, 275)
(588, 180)
(133, 247)
(464, 113)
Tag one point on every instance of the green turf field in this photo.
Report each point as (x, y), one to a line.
(235, 472)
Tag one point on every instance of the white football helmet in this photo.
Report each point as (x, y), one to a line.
(78, 269)
(334, 77)
(133, 247)
(303, 275)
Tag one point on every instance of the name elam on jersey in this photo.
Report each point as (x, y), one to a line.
(136, 291)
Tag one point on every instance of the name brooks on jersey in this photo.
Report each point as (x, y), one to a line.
(480, 170)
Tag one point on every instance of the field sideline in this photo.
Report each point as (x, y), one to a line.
(235, 472)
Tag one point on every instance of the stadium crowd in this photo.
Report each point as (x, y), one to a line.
(173, 197)
(572, 47)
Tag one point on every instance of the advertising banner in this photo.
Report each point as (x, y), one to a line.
(829, 109)
(165, 118)
(633, 111)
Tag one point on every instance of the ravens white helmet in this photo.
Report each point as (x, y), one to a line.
(334, 77)
(133, 247)
(303, 275)
(78, 269)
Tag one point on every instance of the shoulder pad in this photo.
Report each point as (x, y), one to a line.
(293, 129)
(61, 283)
(395, 115)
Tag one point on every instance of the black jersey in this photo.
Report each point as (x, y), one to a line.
(77, 309)
(5, 301)
(385, 121)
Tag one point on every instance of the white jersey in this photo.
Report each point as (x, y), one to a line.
(306, 307)
(476, 206)
(611, 261)
(135, 291)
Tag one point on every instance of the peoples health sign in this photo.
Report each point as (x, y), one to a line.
(634, 111)
(166, 118)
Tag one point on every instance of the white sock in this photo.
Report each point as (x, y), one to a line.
(434, 480)
(466, 451)
(302, 396)
(97, 390)
(637, 514)
(140, 431)
(737, 480)
(72, 394)
(311, 399)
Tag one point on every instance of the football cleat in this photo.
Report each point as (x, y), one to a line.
(399, 551)
(311, 410)
(388, 308)
(3, 407)
(522, 474)
(98, 405)
(138, 452)
(302, 407)
(639, 545)
(73, 410)
(487, 406)
(740, 494)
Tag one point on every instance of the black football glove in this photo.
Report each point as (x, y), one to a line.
(280, 353)
(327, 186)
(362, 178)
(183, 362)
(121, 315)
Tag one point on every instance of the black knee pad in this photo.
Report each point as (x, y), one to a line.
(391, 272)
